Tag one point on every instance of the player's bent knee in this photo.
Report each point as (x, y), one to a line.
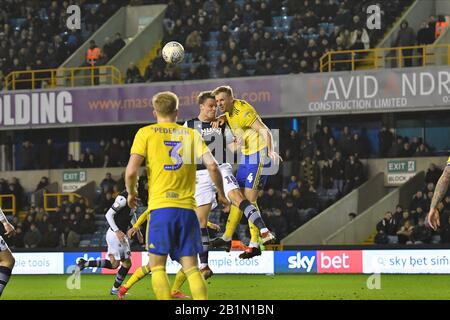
(251, 195)
(7, 260)
(12, 262)
(115, 264)
(236, 196)
(126, 263)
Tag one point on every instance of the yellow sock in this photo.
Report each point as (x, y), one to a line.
(234, 217)
(197, 284)
(254, 232)
(137, 275)
(180, 278)
(160, 283)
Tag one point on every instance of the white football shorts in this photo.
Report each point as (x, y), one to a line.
(205, 190)
(120, 250)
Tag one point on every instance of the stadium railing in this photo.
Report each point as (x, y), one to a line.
(12, 201)
(63, 77)
(60, 197)
(398, 57)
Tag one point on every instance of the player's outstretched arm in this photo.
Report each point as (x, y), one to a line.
(439, 193)
(9, 229)
(142, 218)
(131, 177)
(260, 127)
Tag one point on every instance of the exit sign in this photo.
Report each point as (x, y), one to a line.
(74, 176)
(401, 166)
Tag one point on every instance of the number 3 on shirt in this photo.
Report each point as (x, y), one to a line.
(173, 153)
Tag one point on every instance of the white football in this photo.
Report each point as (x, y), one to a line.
(173, 52)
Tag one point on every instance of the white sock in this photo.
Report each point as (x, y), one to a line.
(254, 245)
(264, 230)
(203, 265)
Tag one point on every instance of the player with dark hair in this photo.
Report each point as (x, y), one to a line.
(7, 260)
(216, 140)
(120, 218)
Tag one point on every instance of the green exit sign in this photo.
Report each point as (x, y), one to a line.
(74, 176)
(401, 166)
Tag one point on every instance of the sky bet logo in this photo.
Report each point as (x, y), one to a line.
(295, 262)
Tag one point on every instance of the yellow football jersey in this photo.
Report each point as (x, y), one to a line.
(240, 121)
(448, 161)
(171, 152)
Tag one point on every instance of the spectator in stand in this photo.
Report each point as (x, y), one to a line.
(17, 240)
(406, 38)
(354, 174)
(133, 75)
(107, 183)
(90, 162)
(293, 184)
(51, 237)
(42, 183)
(118, 44)
(405, 232)
(420, 233)
(338, 173)
(308, 146)
(17, 190)
(381, 237)
(92, 57)
(70, 163)
(277, 222)
(385, 139)
(27, 156)
(406, 151)
(114, 152)
(360, 39)
(32, 237)
(422, 151)
(108, 47)
(345, 142)
(441, 25)
(396, 148)
(292, 215)
(106, 201)
(310, 172)
(330, 149)
(433, 174)
(46, 155)
(357, 147)
(417, 201)
(425, 36)
(327, 174)
(389, 227)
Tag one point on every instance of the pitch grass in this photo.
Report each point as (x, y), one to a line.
(237, 287)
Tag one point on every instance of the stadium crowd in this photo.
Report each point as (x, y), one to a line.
(34, 34)
(223, 38)
(407, 224)
(295, 147)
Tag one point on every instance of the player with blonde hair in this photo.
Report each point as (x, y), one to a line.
(258, 156)
(171, 152)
